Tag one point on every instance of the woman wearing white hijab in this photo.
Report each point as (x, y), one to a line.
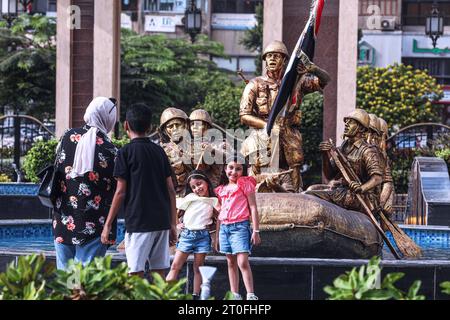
(85, 164)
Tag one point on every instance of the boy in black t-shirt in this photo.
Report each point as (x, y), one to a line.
(144, 182)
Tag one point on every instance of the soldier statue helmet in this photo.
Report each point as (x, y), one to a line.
(200, 121)
(360, 116)
(373, 124)
(173, 121)
(275, 46)
(383, 126)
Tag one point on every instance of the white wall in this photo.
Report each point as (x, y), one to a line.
(387, 45)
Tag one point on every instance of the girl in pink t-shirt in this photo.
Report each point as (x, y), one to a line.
(237, 203)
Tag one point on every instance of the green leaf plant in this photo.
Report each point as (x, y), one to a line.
(33, 278)
(366, 284)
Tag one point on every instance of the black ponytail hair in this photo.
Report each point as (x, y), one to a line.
(198, 174)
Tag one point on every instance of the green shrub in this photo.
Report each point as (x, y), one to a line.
(445, 287)
(7, 152)
(399, 94)
(99, 281)
(34, 279)
(362, 285)
(42, 154)
(4, 178)
(27, 280)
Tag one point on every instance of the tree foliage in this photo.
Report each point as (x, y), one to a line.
(253, 38)
(28, 64)
(223, 105)
(165, 72)
(312, 132)
(399, 94)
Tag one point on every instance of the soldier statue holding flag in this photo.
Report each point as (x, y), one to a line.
(286, 140)
(273, 101)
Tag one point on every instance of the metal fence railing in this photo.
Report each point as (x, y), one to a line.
(402, 147)
(18, 133)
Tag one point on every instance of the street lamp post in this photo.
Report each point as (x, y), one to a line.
(193, 20)
(9, 10)
(434, 27)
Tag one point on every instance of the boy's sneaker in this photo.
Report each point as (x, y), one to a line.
(236, 296)
(195, 297)
(251, 296)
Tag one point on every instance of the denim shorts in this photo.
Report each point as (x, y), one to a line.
(194, 241)
(235, 238)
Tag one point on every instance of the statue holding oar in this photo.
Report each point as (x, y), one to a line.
(360, 168)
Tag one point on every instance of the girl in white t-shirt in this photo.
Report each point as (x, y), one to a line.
(196, 215)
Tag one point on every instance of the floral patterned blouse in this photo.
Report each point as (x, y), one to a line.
(83, 203)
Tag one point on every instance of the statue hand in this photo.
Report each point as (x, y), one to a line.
(276, 129)
(301, 69)
(272, 181)
(325, 146)
(355, 187)
(305, 64)
(389, 210)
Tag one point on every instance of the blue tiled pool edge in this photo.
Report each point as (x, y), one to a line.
(22, 189)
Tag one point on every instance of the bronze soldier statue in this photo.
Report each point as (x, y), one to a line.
(387, 189)
(256, 103)
(364, 160)
(173, 130)
(373, 134)
(206, 149)
(374, 138)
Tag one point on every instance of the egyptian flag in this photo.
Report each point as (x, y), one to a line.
(307, 44)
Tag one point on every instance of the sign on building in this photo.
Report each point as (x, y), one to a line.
(421, 46)
(227, 21)
(125, 21)
(162, 23)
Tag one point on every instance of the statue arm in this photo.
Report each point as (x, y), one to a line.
(253, 121)
(373, 182)
(372, 162)
(324, 77)
(246, 112)
(386, 192)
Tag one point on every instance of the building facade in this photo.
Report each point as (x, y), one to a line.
(393, 31)
(223, 21)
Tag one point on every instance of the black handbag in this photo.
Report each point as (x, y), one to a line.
(48, 189)
(47, 192)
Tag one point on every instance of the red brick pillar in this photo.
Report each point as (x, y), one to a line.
(85, 69)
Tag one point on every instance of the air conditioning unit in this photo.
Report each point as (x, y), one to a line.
(388, 24)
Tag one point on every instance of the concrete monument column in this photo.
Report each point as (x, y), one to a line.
(336, 50)
(107, 48)
(88, 57)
